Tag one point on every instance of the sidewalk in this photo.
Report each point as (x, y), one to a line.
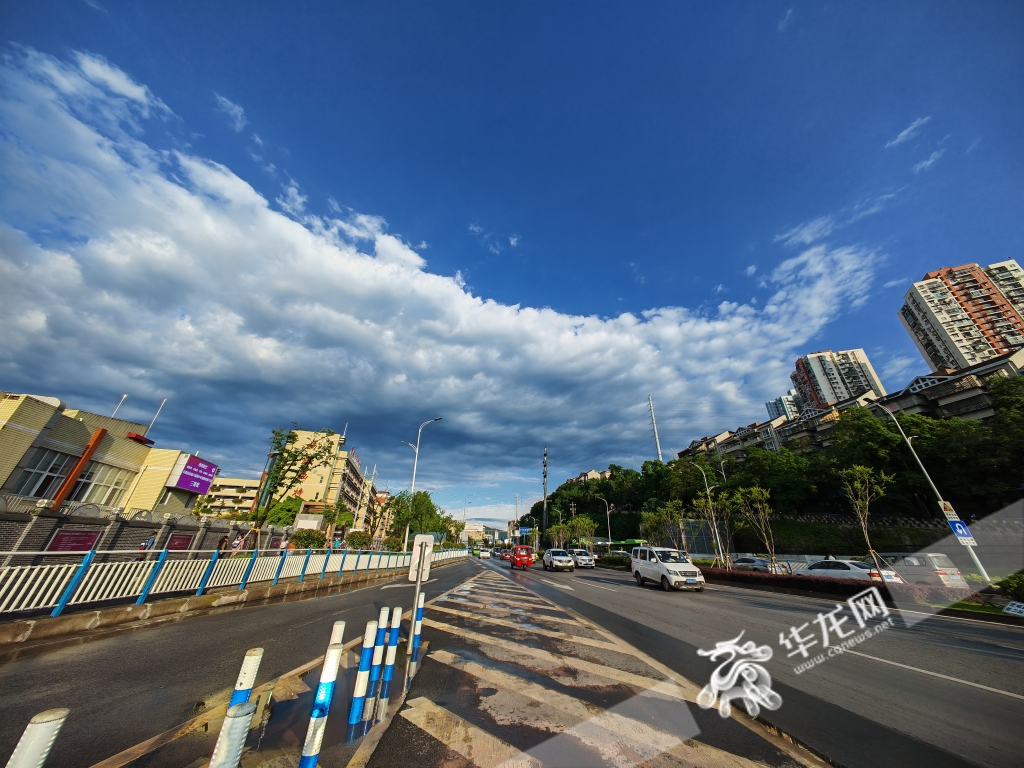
(515, 680)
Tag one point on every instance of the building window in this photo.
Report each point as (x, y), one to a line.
(44, 474)
(102, 484)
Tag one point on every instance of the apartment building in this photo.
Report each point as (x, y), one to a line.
(58, 458)
(822, 379)
(787, 406)
(963, 316)
(232, 495)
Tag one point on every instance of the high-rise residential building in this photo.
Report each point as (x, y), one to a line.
(788, 405)
(825, 378)
(962, 316)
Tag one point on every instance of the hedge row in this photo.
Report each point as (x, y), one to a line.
(917, 593)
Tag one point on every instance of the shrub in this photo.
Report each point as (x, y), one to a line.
(1013, 586)
(393, 544)
(359, 540)
(306, 538)
(614, 561)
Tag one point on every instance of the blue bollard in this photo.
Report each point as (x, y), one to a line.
(152, 577)
(373, 685)
(389, 664)
(327, 558)
(248, 570)
(417, 626)
(280, 567)
(246, 676)
(69, 590)
(302, 576)
(355, 568)
(208, 573)
(355, 714)
(321, 706)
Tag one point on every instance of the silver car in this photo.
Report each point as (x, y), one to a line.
(582, 558)
(760, 564)
(932, 568)
(558, 560)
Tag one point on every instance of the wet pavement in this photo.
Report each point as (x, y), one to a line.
(513, 679)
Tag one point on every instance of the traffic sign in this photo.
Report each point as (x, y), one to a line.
(947, 510)
(525, 531)
(1014, 608)
(962, 533)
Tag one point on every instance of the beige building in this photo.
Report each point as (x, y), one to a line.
(232, 495)
(57, 457)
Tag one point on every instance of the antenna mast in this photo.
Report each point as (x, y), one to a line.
(657, 442)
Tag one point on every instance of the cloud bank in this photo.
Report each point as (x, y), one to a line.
(129, 268)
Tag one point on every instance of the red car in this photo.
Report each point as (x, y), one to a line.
(522, 557)
(506, 554)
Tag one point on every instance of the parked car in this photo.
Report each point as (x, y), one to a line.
(760, 564)
(619, 553)
(558, 560)
(506, 554)
(932, 568)
(582, 558)
(485, 554)
(668, 567)
(522, 557)
(849, 569)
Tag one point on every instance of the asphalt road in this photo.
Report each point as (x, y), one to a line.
(126, 688)
(857, 710)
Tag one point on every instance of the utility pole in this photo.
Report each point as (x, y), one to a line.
(572, 509)
(657, 442)
(544, 517)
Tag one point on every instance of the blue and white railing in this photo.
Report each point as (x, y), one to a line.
(80, 578)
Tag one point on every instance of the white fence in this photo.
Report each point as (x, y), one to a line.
(73, 578)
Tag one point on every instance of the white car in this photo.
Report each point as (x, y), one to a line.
(582, 558)
(849, 569)
(485, 554)
(668, 567)
(558, 560)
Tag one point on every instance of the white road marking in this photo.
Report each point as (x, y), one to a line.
(410, 584)
(556, 584)
(609, 589)
(936, 674)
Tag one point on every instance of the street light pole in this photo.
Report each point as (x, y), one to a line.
(415, 463)
(970, 549)
(608, 514)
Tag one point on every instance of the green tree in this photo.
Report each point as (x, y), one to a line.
(558, 534)
(284, 512)
(863, 486)
(358, 540)
(307, 538)
(293, 462)
(581, 527)
(753, 505)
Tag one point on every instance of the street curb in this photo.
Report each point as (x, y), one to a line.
(957, 613)
(16, 635)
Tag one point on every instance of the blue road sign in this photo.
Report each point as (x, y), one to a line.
(961, 531)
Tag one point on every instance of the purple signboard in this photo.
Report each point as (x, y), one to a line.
(196, 476)
(179, 541)
(73, 541)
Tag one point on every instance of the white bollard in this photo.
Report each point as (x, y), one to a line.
(337, 632)
(355, 714)
(321, 706)
(389, 664)
(38, 738)
(370, 706)
(228, 752)
(246, 676)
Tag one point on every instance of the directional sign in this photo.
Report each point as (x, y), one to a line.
(947, 510)
(962, 533)
(525, 531)
(1014, 608)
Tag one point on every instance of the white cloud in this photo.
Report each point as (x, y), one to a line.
(476, 229)
(805, 234)
(751, 270)
(785, 21)
(924, 165)
(256, 138)
(234, 112)
(124, 268)
(898, 370)
(823, 226)
(719, 288)
(896, 282)
(513, 240)
(909, 132)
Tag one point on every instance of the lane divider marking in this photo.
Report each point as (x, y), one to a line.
(936, 674)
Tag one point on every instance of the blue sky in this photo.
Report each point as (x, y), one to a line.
(524, 217)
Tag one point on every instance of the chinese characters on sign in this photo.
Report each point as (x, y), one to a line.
(738, 677)
(830, 634)
(196, 476)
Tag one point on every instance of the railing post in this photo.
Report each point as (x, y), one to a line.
(208, 573)
(302, 575)
(69, 590)
(248, 569)
(327, 558)
(380, 559)
(355, 568)
(37, 740)
(341, 567)
(280, 567)
(369, 561)
(152, 576)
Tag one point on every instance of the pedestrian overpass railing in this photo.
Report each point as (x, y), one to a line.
(33, 581)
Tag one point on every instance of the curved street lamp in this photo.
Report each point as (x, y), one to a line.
(415, 462)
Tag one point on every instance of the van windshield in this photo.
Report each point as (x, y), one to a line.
(671, 556)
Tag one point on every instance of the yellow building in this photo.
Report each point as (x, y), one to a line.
(232, 496)
(55, 457)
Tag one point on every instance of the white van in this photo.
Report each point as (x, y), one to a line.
(668, 567)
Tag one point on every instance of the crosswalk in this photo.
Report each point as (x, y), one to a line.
(514, 680)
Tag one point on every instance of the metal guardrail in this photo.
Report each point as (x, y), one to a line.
(75, 578)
